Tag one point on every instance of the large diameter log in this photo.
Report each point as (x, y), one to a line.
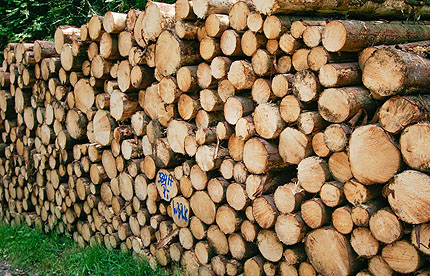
(408, 196)
(103, 125)
(373, 156)
(348, 35)
(399, 112)
(330, 252)
(336, 105)
(260, 156)
(387, 8)
(390, 71)
(172, 53)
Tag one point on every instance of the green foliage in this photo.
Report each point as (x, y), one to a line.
(28, 20)
(48, 254)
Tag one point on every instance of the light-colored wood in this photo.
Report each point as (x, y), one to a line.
(330, 252)
(367, 141)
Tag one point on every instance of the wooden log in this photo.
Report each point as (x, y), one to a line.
(306, 86)
(399, 112)
(402, 257)
(339, 166)
(342, 219)
(344, 35)
(114, 22)
(289, 44)
(290, 228)
(262, 63)
(184, 10)
(203, 8)
(409, 186)
(109, 46)
(371, 140)
(63, 34)
(339, 246)
(357, 193)
(269, 245)
(241, 74)
(236, 107)
(43, 49)
(167, 60)
(312, 173)
(378, 226)
(288, 198)
(355, 99)
(294, 146)
(268, 121)
(103, 127)
(76, 124)
(315, 213)
(260, 156)
(264, 211)
(378, 266)
(319, 56)
(405, 79)
(220, 67)
(261, 91)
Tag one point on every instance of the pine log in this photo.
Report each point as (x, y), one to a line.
(306, 86)
(319, 56)
(373, 156)
(103, 127)
(413, 154)
(354, 99)
(172, 53)
(288, 198)
(269, 245)
(411, 187)
(184, 10)
(388, 72)
(385, 226)
(340, 167)
(330, 252)
(294, 146)
(241, 74)
(353, 36)
(402, 257)
(315, 213)
(203, 8)
(114, 22)
(236, 107)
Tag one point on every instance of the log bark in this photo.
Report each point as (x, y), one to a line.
(354, 36)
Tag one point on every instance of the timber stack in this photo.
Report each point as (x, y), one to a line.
(264, 137)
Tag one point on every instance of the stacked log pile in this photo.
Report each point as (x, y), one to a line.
(232, 137)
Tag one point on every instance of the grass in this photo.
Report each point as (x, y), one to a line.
(38, 253)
